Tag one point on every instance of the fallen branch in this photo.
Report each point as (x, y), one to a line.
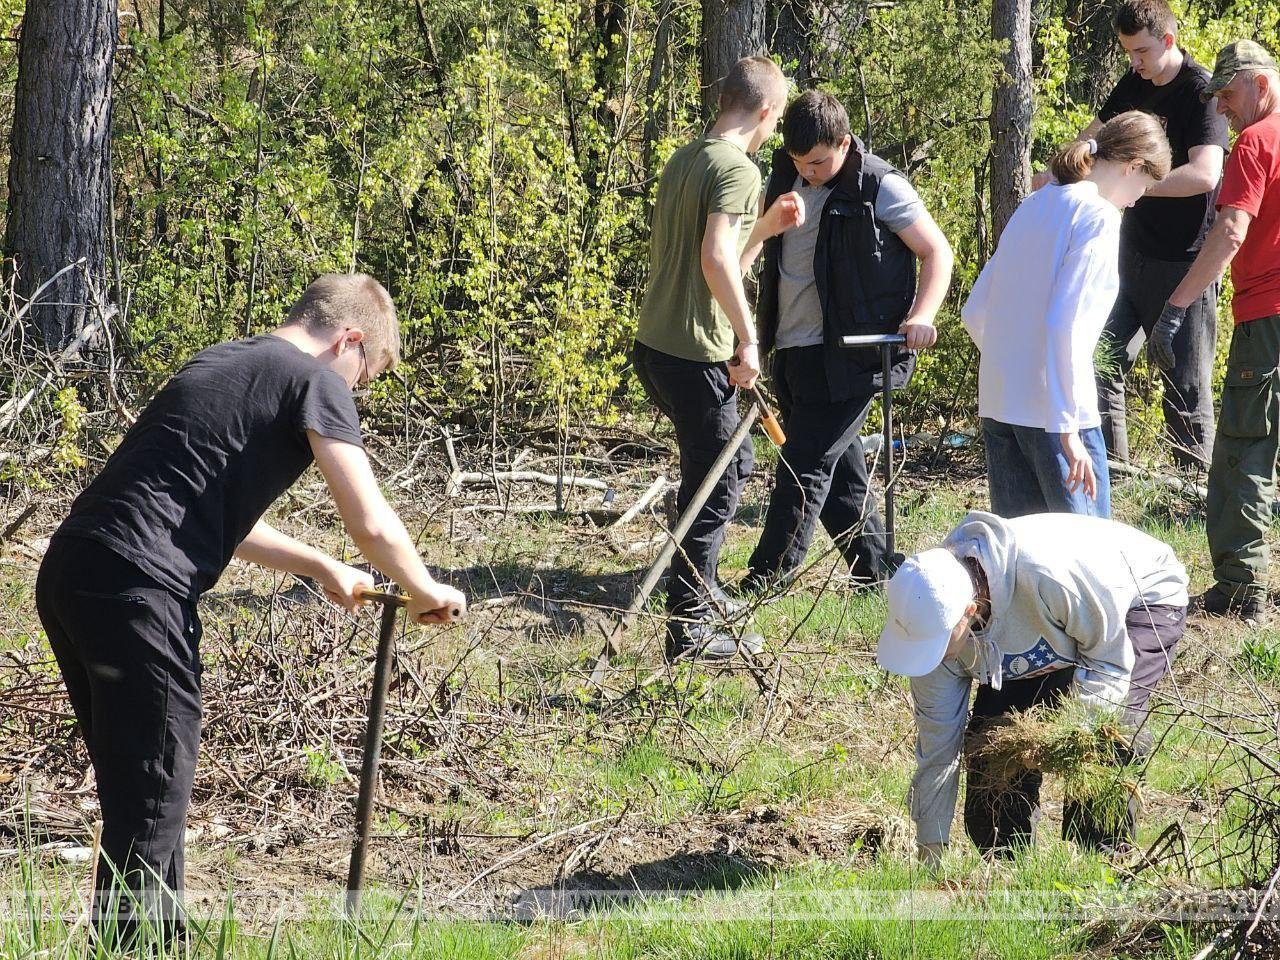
(522, 508)
(518, 855)
(463, 478)
(1176, 484)
(659, 486)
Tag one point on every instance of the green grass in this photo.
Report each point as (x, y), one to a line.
(44, 923)
(891, 909)
(1261, 655)
(816, 910)
(700, 747)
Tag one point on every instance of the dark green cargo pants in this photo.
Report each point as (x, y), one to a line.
(1242, 476)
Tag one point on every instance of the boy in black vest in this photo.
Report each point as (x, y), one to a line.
(849, 268)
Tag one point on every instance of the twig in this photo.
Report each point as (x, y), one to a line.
(1257, 916)
(12, 409)
(518, 855)
(25, 515)
(652, 492)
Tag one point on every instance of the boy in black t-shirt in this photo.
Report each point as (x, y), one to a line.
(1161, 234)
(182, 494)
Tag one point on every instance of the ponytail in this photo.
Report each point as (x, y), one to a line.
(1132, 135)
(1072, 163)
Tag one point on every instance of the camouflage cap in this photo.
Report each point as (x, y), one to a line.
(1234, 57)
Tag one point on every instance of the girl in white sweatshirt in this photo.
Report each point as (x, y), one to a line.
(1036, 313)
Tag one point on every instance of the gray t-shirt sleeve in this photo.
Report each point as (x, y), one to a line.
(898, 205)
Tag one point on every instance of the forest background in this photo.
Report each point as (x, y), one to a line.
(495, 164)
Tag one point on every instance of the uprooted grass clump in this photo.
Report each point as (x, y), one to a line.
(1092, 752)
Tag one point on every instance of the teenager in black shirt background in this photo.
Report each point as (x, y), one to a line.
(1161, 234)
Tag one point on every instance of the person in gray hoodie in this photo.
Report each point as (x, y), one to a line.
(1034, 609)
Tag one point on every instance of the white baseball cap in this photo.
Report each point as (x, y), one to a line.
(927, 597)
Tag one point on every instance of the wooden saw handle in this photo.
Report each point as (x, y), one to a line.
(370, 595)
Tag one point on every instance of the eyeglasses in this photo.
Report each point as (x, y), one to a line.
(364, 366)
(361, 387)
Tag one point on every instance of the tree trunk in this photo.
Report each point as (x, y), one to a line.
(1095, 52)
(60, 156)
(790, 31)
(1011, 112)
(731, 30)
(655, 120)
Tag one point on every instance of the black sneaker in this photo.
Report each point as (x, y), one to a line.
(706, 642)
(1216, 602)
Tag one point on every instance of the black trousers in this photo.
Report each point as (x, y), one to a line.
(1001, 818)
(703, 407)
(1145, 285)
(128, 650)
(822, 473)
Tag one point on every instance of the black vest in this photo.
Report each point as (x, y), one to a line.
(866, 275)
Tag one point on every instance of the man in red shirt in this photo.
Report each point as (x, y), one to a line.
(1246, 235)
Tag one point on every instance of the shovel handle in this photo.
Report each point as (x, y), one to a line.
(767, 420)
(387, 598)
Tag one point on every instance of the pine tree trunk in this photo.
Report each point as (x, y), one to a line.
(60, 150)
(1011, 112)
(731, 30)
(1095, 52)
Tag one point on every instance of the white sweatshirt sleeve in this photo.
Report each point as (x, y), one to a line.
(974, 312)
(1083, 289)
(941, 700)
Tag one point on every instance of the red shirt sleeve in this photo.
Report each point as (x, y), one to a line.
(1245, 178)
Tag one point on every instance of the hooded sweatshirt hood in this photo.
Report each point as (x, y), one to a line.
(989, 540)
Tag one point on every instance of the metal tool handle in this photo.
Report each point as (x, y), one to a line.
(884, 341)
(388, 599)
(873, 340)
(372, 746)
(370, 595)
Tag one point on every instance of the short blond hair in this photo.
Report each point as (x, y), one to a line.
(753, 82)
(338, 301)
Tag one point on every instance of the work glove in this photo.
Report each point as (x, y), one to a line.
(1160, 343)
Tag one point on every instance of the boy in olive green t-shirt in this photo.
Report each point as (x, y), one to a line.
(679, 315)
(695, 321)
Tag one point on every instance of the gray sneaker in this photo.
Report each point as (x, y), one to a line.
(707, 642)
